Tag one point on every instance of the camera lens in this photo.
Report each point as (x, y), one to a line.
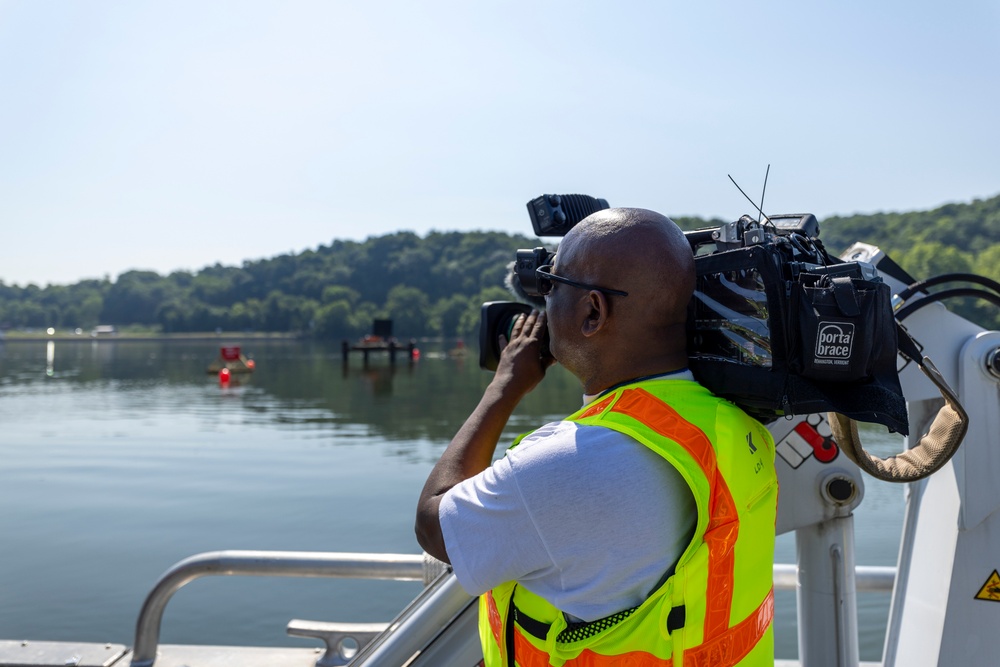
(497, 321)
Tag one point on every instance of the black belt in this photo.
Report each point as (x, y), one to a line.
(540, 630)
(532, 626)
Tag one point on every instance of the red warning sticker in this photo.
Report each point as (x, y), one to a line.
(810, 437)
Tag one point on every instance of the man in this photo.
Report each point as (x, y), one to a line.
(640, 529)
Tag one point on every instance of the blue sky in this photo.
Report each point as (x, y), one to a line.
(174, 135)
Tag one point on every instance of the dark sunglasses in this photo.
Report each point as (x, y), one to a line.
(544, 279)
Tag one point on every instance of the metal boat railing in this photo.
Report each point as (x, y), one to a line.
(439, 627)
(438, 606)
(871, 578)
(399, 567)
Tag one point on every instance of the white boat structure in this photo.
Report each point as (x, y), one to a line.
(945, 588)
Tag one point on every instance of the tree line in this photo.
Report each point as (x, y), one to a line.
(954, 238)
(428, 286)
(434, 285)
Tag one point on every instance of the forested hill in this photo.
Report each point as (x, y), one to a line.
(954, 237)
(434, 285)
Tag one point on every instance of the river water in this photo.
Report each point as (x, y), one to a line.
(120, 458)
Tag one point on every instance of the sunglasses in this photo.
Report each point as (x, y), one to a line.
(544, 279)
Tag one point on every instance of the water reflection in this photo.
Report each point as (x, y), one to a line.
(424, 399)
(378, 380)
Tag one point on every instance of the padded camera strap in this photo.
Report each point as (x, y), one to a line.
(933, 449)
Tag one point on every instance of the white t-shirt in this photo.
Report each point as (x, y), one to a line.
(584, 516)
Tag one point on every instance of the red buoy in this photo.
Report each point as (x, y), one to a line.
(224, 376)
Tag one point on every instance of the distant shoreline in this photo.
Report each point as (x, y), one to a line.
(132, 337)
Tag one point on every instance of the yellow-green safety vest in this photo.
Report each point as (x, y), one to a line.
(717, 607)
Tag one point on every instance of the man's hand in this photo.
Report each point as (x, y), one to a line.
(522, 364)
(521, 368)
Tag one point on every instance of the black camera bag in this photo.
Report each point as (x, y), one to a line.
(781, 328)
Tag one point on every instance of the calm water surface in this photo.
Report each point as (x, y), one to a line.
(118, 459)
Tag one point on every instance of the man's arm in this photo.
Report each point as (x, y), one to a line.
(520, 370)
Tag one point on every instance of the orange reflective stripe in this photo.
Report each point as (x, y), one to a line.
(723, 522)
(496, 625)
(596, 408)
(725, 650)
(527, 654)
(734, 644)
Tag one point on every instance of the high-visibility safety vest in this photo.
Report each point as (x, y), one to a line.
(717, 607)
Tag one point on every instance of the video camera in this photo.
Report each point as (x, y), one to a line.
(551, 215)
(776, 324)
(555, 215)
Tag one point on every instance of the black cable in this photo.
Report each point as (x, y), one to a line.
(947, 278)
(910, 308)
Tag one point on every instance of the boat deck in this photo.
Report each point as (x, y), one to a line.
(74, 654)
(77, 654)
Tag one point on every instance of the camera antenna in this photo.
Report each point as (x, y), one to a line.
(752, 202)
(762, 191)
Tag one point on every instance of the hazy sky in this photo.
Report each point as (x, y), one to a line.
(173, 135)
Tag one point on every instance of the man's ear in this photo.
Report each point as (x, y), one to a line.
(597, 313)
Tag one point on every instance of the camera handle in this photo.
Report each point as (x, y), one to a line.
(932, 451)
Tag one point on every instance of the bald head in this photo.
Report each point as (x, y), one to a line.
(645, 254)
(638, 251)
